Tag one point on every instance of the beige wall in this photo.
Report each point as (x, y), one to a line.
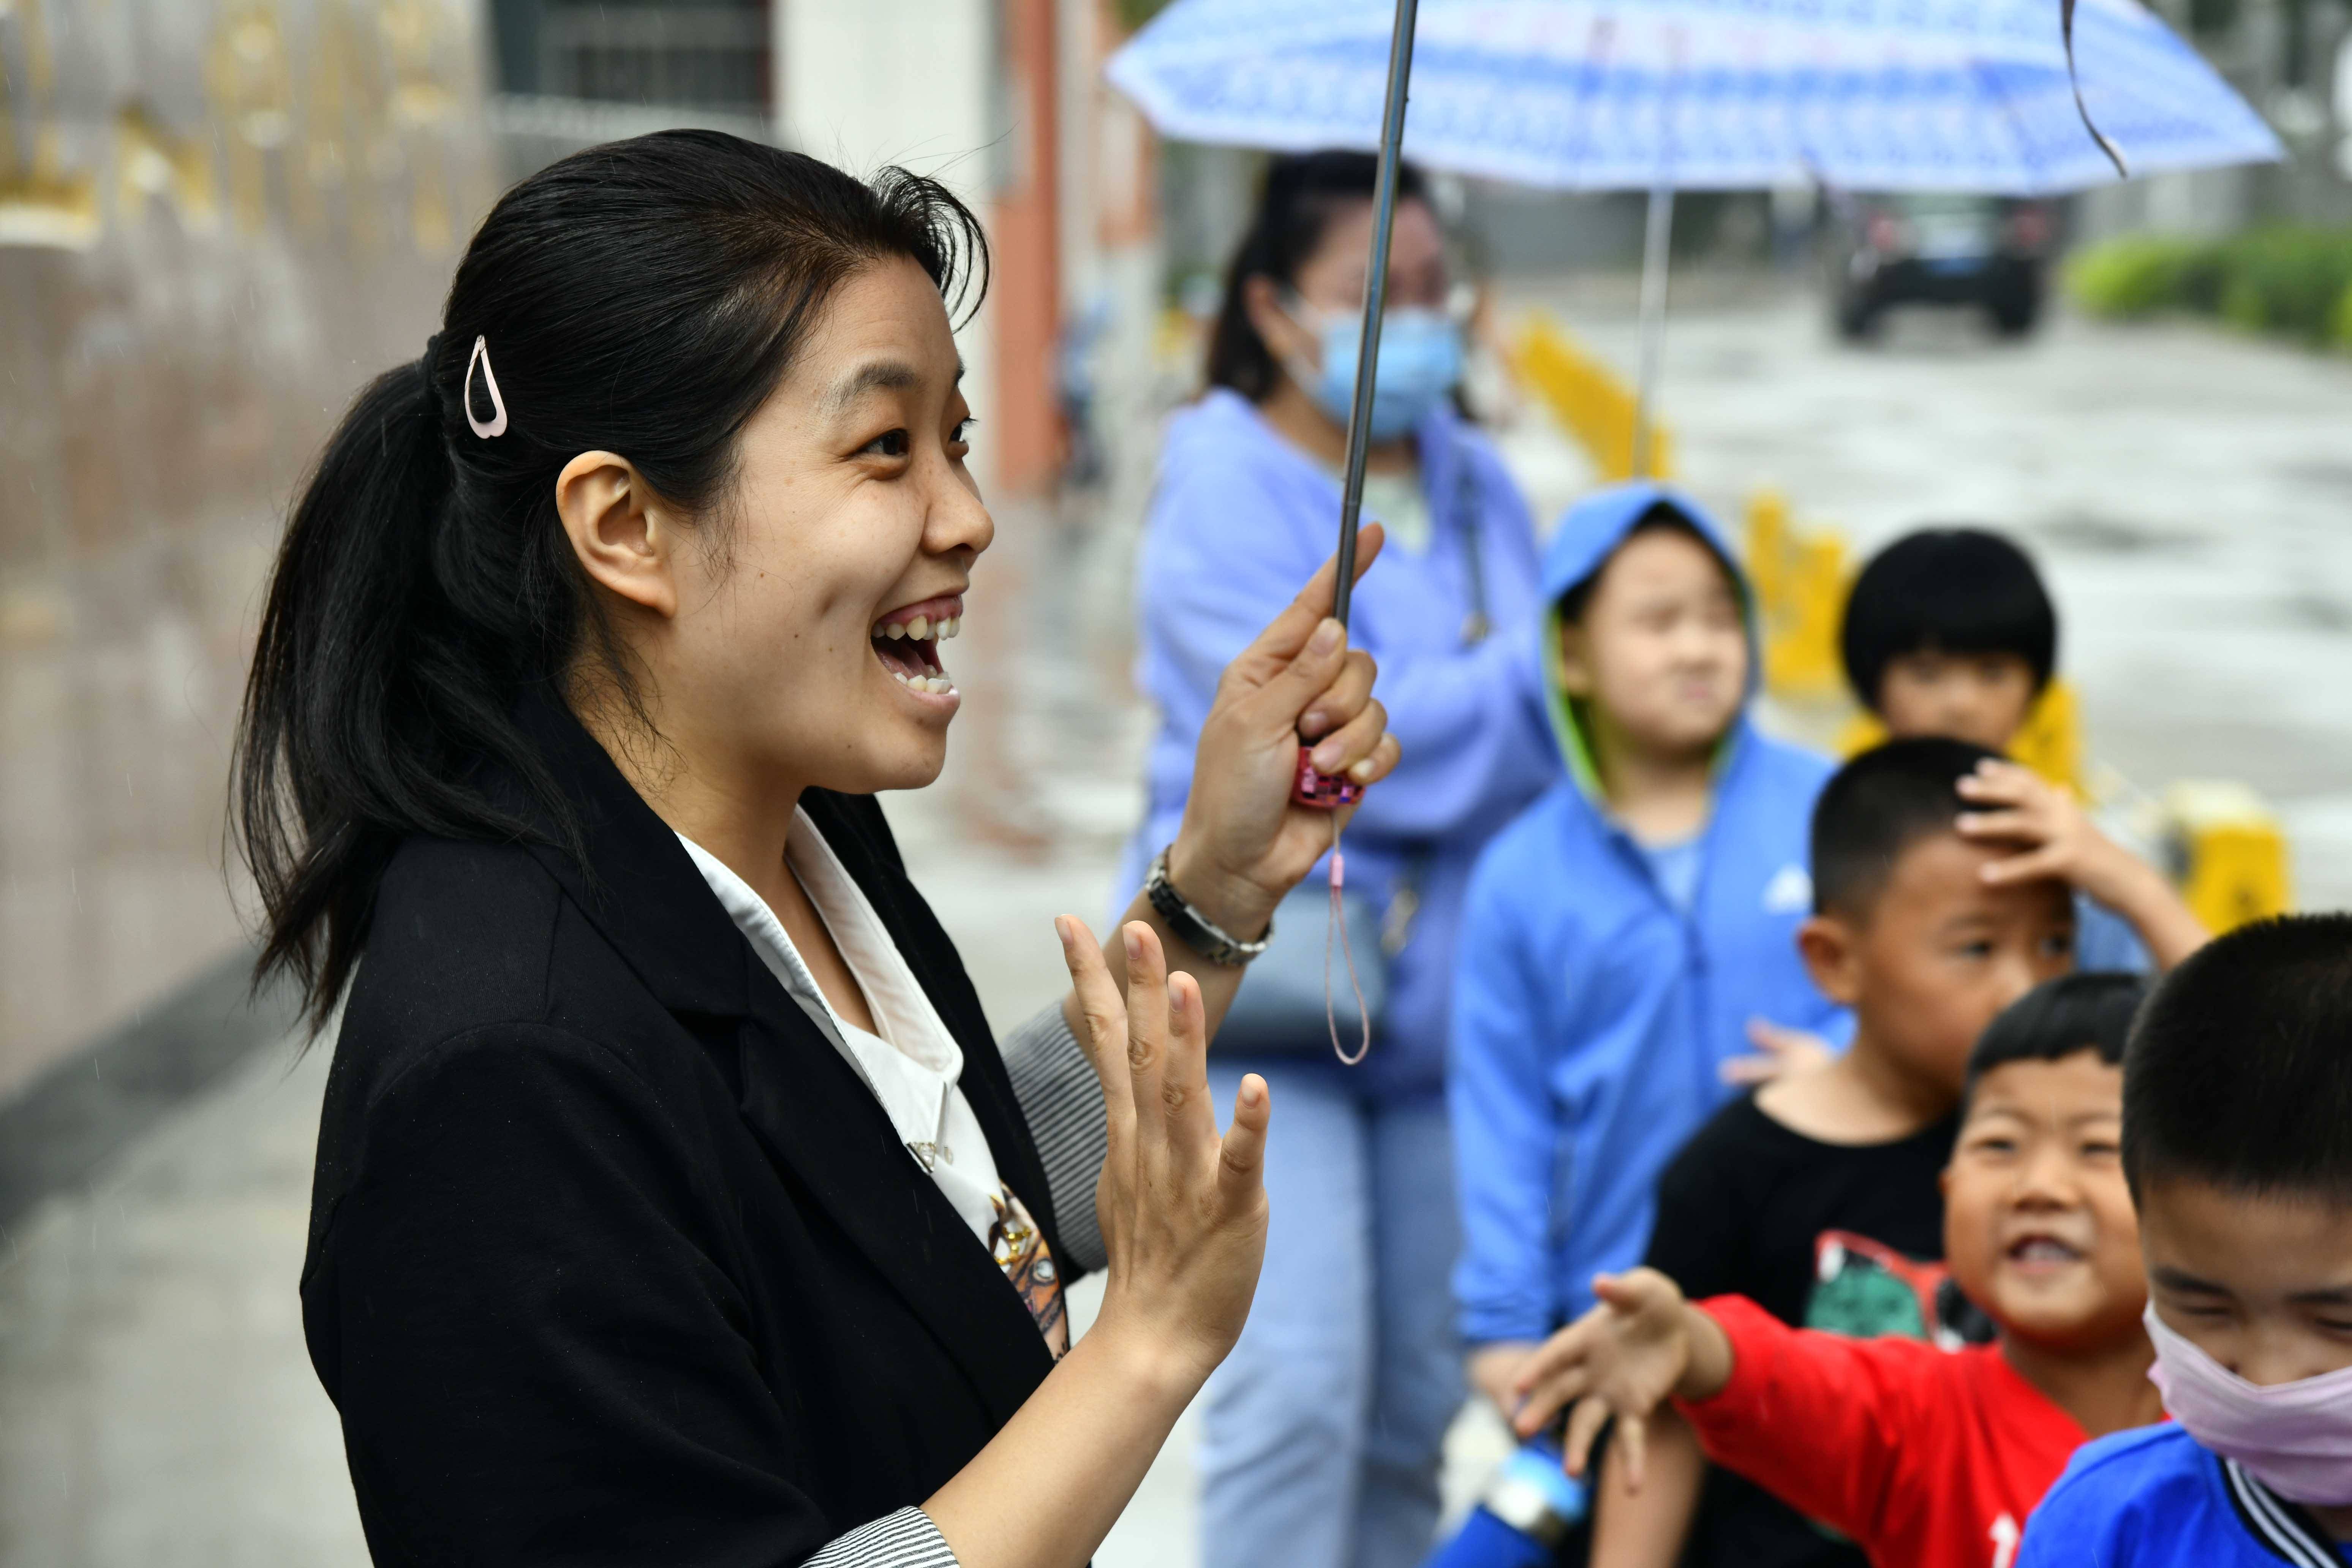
(217, 218)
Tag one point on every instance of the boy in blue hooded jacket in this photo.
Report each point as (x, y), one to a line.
(1620, 935)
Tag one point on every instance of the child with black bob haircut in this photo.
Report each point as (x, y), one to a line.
(1817, 1197)
(2238, 1144)
(1949, 631)
(1926, 1458)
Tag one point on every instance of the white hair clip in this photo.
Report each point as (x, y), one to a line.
(497, 425)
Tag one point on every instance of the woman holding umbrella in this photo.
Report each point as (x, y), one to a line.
(1323, 1429)
(675, 1203)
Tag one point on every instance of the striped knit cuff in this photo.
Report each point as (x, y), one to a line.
(1062, 1099)
(907, 1539)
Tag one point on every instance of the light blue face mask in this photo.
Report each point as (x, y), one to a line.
(1419, 360)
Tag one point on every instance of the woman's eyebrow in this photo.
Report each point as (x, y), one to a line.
(877, 375)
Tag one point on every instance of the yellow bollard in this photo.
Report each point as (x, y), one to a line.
(1801, 653)
(2230, 851)
(1586, 398)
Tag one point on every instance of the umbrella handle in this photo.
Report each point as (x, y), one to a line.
(1313, 788)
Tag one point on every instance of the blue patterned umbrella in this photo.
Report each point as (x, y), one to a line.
(1967, 95)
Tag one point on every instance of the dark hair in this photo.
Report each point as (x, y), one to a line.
(2240, 1070)
(2091, 1011)
(1945, 590)
(644, 296)
(1877, 806)
(1662, 517)
(1302, 193)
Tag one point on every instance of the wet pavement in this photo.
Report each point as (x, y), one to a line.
(2187, 492)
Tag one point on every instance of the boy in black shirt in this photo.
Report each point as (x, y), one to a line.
(1817, 1196)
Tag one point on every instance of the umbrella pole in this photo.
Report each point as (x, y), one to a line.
(1376, 289)
(1656, 236)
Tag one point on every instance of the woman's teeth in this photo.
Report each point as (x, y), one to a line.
(910, 650)
(921, 628)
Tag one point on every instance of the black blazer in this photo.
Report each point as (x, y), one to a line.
(612, 1259)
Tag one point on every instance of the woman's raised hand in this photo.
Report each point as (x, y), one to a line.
(1243, 844)
(1182, 1211)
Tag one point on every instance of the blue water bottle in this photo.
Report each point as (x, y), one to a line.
(1526, 1511)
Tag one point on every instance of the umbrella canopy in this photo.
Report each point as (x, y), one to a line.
(1965, 95)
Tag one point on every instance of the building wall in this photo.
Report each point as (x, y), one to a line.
(217, 218)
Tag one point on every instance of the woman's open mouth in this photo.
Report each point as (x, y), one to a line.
(907, 640)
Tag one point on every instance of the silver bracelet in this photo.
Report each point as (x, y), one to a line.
(1193, 929)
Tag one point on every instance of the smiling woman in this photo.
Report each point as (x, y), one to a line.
(674, 1202)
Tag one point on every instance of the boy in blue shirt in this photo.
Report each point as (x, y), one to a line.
(1620, 935)
(2237, 1139)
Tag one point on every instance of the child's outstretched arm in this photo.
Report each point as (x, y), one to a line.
(2057, 838)
(1640, 1345)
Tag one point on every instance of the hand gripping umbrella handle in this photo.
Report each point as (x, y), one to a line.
(1313, 787)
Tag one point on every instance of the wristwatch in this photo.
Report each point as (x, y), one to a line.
(1193, 929)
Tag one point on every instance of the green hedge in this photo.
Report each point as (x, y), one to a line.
(2294, 282)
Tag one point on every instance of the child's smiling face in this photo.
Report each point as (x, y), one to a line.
(2038, 1223)
(2260, 1281)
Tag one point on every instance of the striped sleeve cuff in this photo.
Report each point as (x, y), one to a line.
(907, 1539)
(1062, 1099)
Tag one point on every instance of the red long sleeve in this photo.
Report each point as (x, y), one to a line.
(1927, 1459)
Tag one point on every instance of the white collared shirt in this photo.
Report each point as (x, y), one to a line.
(913, 1064)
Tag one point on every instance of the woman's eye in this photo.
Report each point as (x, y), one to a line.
(962, 436)
(890, 443)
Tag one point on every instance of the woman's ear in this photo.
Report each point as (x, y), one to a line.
(1284, 337)
(625, 538)
(1827, 945)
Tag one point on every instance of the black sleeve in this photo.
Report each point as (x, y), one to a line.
(536, 1356)
(1699, 1238)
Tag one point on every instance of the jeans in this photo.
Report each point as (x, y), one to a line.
(1323, 1429)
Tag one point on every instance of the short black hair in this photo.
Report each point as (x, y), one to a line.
(1877, 806)
(1945, 590)
(1663, 516)
(2089, 1011)
(2240, 1071)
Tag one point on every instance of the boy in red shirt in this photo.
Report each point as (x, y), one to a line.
(1926, 1458)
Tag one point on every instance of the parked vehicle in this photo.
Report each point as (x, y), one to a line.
(1991, 251)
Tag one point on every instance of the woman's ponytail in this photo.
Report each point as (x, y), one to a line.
(642, 297)
(337, 752)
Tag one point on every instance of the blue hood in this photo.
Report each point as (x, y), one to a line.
(1589, 534)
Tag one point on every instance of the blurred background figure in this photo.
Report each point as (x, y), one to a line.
(1322, 1431)
(218, 219)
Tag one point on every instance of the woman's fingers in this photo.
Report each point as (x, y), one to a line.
(1106, 1020)
(1241, 1163)
(1185, 1076)
(1343, 700)
(1354, 742)
(1147, 1034)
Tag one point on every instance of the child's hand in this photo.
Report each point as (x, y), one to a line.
(1642, 1344)
(2060, 840)
(2057, 838)
(1779, 1053)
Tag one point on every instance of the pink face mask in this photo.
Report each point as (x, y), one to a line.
(2293, 1437)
